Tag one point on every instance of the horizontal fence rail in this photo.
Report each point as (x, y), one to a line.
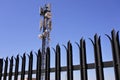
(83, 66)
(106, 64)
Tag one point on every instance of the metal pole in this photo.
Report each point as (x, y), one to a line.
(45, 26)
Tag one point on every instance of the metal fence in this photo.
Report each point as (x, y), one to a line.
(99, 65)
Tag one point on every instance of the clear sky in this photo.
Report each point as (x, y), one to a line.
(72, 19)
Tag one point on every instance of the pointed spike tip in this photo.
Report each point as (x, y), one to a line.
(91, 41)
(77, 44)
(113, 31)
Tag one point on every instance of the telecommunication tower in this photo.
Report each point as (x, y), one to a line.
(45, 28)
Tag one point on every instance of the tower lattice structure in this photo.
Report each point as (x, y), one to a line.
(45, 28)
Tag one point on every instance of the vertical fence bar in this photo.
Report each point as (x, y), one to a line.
(10, 69)
(116, 55)
(57, 63)
(38, 67)
(16, 67)
(69, 62)
(30, 66)
(5, 69)
(1, 68)
(118, 49)
(83, 60)
(23, 67)
(98, 58)
(47, 69)
(68, 77)
(118, 45)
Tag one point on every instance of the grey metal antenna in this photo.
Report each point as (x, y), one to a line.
(45, 27)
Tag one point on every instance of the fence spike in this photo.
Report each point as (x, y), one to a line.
(38, 66)
(1, 68)
(69, 41)
(108, 37)
(21, 57)
(91, 41)
(98, 58)
(5, 69)
(118, 33)
(30, 66)
(28, 55)
(118, 42)
(65, 47)
(83, 62)
(39, 52)
(36, 53)
(69, 61)
(23, 67)
(53, 50)
(116, 55)
(47, 67)
(57, 63)
(16, 67)
(77, 44)
(10, 69)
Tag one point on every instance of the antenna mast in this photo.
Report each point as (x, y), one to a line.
(45, 28)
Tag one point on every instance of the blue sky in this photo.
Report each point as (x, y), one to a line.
(19, 24)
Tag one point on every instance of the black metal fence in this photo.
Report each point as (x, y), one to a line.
(99, 65)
